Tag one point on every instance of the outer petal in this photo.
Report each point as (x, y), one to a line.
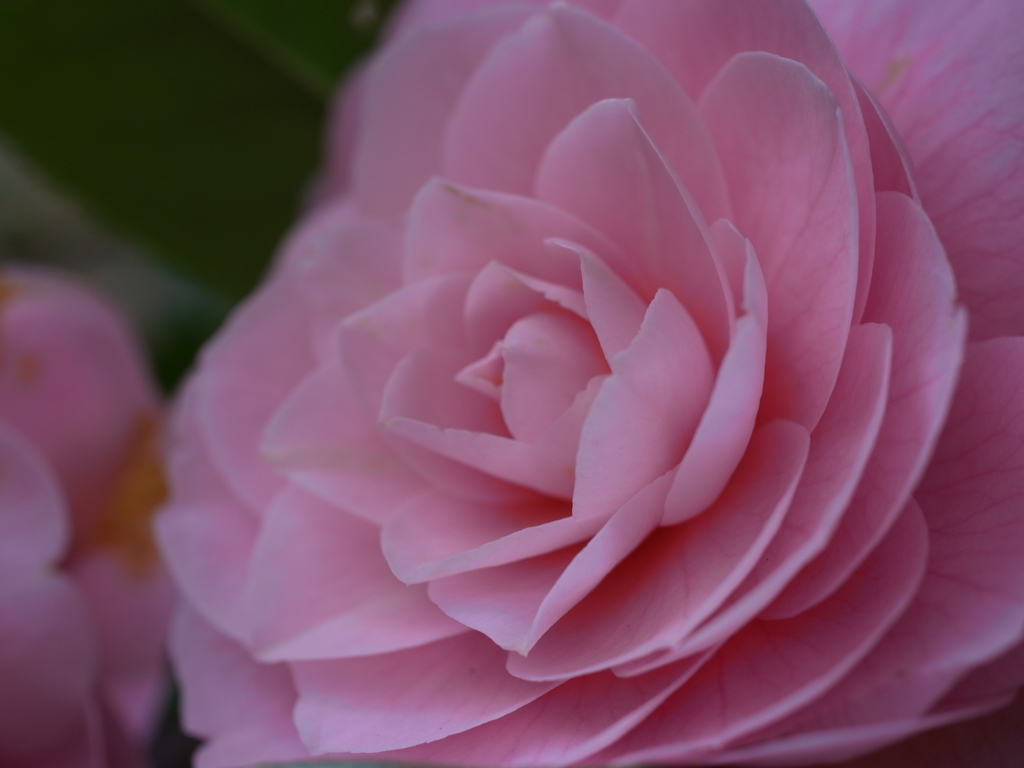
(205, 534)
(915, 295)
(407, 697)
(46, 721)
(999, 677)
(971, 496)
(970, 607)
(431, 11)
(695, 39)
(564, 726)
(993, 741)
(341, 265)
(335, 178)
(778, 132)
(241, 706)
(773, 668)
(536, 81)
(408, 93)
(961, 117)
(838, 744)
(967, 610)
(411, 16)
(318, 587)
(257, 359)
(48, 663)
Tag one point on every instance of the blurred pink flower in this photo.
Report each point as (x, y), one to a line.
(617, 404)
(84, 604)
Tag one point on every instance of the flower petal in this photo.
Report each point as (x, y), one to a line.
(562, 727)
(785, 157)
(889, 159)
(914, 294)
(772, 668)
(550, 357)
(968, 608)
(249, 368)
(408, 95)
(516, 604)
(613, 308)
(437, 535)
(373, 341)
(535, 81)
(70, 384)
(243, 707)
(323, 440)
(453, 229)
(695, 39)
(498, 296)
(502, 602)
(680, 574)
(960, 116)
(604, 168)
(969, 497)
(49, 660)
(206, 534)
(319, 587)
(645, 413)
(456, 437)
(839, 449)
(992, 745)
(34, 530)
(404, 698)
(341, 266)
(728, 421)
(130, 618)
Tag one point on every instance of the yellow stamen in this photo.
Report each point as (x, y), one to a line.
(125, 524)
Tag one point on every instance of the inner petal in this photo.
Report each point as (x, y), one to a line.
(486, 375)
(423, 387)
(549, 358)
(645, 414)
(500, 295)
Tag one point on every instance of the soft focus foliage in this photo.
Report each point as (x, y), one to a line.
(191, 126)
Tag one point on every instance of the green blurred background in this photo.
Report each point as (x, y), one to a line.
(163, 147)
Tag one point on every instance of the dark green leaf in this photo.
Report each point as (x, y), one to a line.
(173, 128)
(316, 40)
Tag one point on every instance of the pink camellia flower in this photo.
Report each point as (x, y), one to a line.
(83, 603)
(641, 391)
